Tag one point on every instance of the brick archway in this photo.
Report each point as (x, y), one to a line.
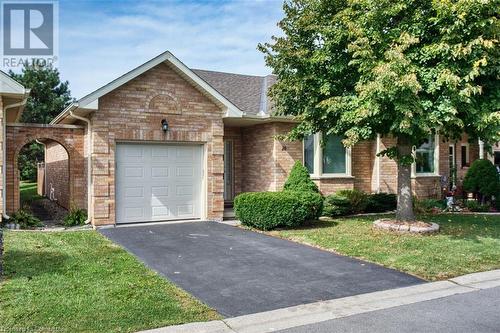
(71, 137)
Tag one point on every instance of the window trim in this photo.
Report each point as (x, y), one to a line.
(414, 173)
(318, 161)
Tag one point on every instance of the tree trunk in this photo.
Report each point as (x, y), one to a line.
(404, 210)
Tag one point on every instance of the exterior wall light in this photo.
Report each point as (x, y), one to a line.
(164, 125)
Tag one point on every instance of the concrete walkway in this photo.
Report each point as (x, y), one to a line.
(239, 272)
(456, 305)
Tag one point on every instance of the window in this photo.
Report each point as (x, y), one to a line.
(330, 159)
(334, 155)
(309, 153)
(426, 161)
(424, 156)
(464, 155)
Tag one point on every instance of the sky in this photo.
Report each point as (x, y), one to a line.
(101, 40)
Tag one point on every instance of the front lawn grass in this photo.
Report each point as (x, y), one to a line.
(82, 282)
(465, 244)
(28, 192)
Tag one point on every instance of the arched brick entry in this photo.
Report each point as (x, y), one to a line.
(71, 137)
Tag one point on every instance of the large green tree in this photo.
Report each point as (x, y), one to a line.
(405, 69)
(48, 97)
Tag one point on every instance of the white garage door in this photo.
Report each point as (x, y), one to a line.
(158, 182)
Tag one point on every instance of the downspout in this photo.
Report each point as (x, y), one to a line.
(4, 147)
(89, 165)
(481, 149)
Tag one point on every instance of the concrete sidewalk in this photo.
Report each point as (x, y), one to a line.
(296, 316)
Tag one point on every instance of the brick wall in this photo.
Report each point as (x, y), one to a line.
(40, 179)
(258, 158)
(57, 174)
(134, 112)
(234, 134)
(70, 136)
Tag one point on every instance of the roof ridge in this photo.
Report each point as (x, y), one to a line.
(231, 73)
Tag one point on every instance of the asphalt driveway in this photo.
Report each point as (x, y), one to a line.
(239, 272)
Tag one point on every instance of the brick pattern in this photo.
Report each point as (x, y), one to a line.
(70, 137)
(266, 161)
(40, 178)
(133, 112)
(234, 134)
(258, 158)
(57, 173)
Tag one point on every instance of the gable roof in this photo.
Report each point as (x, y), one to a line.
(90, 101)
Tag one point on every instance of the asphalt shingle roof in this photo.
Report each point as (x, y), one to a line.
(247, 92)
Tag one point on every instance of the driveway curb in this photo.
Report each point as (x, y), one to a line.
(271, 321)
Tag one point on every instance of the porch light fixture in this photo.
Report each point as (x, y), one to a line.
(164, 125)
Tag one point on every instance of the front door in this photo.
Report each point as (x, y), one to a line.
(228, 171)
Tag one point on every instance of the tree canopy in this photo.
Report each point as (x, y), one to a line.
(48, 96)
(408, 69)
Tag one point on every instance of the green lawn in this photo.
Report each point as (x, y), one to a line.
(28, 191)
(465, 244)
(81, 282)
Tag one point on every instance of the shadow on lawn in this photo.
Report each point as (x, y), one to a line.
(29, 264)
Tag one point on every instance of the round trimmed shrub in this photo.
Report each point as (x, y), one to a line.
(313, 203)
(482, 178)
(269, 210)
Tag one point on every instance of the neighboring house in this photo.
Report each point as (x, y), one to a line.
(12, 99)
(168, 142)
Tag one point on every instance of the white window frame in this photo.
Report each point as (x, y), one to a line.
(318, 160)
(414, 173)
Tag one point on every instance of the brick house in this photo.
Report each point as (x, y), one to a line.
(166, 142)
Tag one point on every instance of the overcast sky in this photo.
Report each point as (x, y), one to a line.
(100, 40)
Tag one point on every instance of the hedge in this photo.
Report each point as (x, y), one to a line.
(346, 202)
(269, 210)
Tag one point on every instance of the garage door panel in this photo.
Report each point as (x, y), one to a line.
(158, 182)
(159, 172)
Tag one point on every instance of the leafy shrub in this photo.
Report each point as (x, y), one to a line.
(25, 219)
(299, 180)
(474, 206)
(76, 216)
(423, 206)
(482, 178)
(269, 210)
(381, 202)
(312, 201)
(357, 199)
(336, 205)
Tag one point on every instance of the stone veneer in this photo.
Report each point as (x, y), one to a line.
(133, 112)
